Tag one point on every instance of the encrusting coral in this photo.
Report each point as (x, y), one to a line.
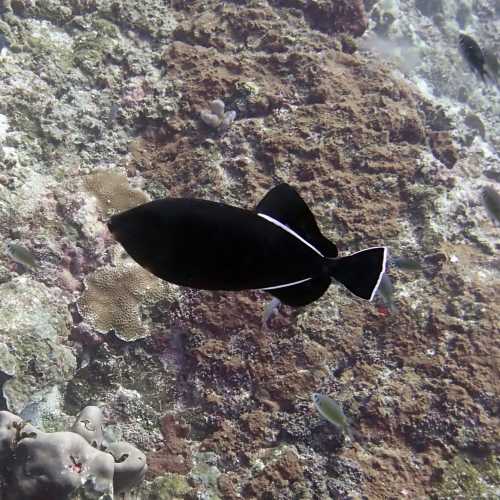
(89, 86)
(38, 465)
(114, 296)
(113, 191)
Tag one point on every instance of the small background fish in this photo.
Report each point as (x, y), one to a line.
(406, 263)
(491, 201)
(332, 411)
(21, 255)
(386, 291)
(472, 53)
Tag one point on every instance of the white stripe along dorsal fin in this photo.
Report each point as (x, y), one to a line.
(292, 232)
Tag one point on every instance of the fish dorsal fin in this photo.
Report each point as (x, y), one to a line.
(284, 205)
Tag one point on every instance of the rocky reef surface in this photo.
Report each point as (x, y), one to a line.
(369, 111)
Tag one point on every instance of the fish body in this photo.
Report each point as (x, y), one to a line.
(406, 263)
(4, 45)
(332, 411)
(21, 255)
(213, 246)
(491, 201)
(270, 310)
(473, 54)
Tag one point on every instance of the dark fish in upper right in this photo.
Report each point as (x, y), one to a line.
(491, 202)
(474, 56)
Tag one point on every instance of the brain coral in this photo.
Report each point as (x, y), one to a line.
(114, 296)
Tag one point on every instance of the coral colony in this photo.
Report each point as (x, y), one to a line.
(217, 118)
(169, 168)
(36, 464)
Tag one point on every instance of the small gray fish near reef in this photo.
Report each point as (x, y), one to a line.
(386, 291)
(21, 255)
(276, 247)
(473, 55)
(491, 201)
(4, 44)
(332, 411)
(270, 310)
(406, 263)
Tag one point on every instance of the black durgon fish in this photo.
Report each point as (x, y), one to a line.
(277, 247)
(473, 54)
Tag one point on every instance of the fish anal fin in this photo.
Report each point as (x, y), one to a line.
(303, 293)
(285, 205)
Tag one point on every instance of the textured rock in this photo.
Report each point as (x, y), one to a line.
(443, 148)
(33, 319)
(175, 455)
(101, 100)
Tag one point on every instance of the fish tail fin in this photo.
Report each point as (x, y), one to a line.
(491, 76)
(360, 272)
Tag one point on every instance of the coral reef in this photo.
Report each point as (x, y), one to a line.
(369, 111)
(89, 424)
(55, 465)
(114, 299)
(218, 118)
(36, 465)
(130, 466)
(113, 192)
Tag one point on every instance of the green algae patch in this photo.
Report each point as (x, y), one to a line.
(169, 487)
(464, 479)
(34, 320)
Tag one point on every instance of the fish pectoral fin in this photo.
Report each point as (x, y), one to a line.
(302, 294)
(285, 205)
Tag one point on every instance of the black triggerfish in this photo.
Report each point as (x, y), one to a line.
(277, 247)
(473, 54)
